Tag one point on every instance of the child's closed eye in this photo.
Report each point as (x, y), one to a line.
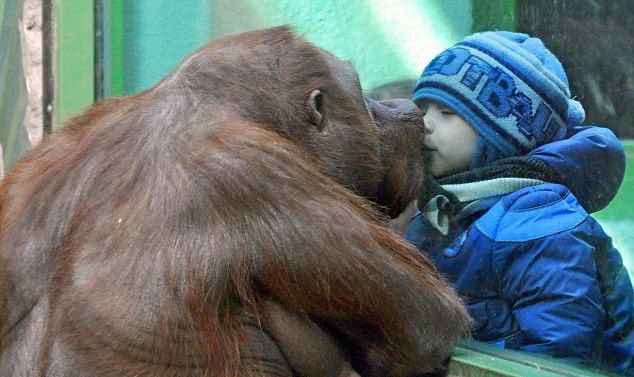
(446, 110)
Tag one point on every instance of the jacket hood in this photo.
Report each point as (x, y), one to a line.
(591, 162)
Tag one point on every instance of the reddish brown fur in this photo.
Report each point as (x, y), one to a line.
(156, 235)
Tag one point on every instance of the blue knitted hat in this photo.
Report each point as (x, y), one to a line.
(509, 87)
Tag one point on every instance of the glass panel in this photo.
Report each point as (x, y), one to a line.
(595, 42)
(390, 43)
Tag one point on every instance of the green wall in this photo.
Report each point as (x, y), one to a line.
(74, 84)
(386, 40)
(156, 34)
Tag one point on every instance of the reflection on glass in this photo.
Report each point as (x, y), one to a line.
(504, 220)
(578, 33)
(391, 42)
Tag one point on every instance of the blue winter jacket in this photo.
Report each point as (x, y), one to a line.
(536, 271)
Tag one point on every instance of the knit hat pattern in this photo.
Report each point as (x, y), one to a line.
(510, 88)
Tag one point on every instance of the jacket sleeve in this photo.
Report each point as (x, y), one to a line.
(587, 149)
(552, 285)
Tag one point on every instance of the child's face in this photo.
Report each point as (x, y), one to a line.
(451, 139)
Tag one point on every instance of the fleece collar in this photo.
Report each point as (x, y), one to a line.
(458, 196)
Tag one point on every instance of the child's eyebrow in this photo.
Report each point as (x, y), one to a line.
(441, 106)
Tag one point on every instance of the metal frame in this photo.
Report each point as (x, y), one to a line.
(476, 359)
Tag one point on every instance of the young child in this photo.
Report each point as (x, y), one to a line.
(537, 272)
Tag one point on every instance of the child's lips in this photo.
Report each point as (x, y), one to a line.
(427, 148)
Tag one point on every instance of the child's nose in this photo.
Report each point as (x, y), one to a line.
(429, 123)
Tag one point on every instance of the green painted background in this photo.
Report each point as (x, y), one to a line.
(386, 40)
(75, 35)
